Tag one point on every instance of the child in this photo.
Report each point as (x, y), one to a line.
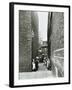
(33, 65)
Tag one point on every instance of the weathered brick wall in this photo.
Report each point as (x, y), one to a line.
(57, 36)
(28, 44)
(25, 41)
(56, 41)
(35, 39)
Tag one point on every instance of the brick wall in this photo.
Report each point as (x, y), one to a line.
(25, 41)
(28, 44)
(35, 39)
(56, 41)
(57, 36)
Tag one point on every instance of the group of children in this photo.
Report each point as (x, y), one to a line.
(35, 63)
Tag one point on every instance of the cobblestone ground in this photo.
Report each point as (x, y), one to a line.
(41, 73)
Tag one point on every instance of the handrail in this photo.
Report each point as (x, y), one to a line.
(59, 49)
(59, 57)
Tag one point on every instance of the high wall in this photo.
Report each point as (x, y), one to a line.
(35, 38)
(26, 27)
(56, 40)
(57, 36)
(25, 39)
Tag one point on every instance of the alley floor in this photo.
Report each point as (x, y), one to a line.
(41, 73)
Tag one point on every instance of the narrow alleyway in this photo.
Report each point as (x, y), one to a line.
(42, 44)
